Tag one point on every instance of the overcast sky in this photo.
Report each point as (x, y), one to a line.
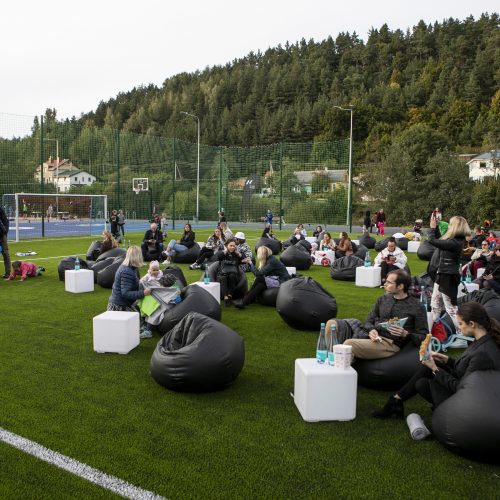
(71, 55)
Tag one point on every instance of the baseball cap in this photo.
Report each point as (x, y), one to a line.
(240, 235)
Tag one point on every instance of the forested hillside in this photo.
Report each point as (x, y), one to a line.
(444, 75)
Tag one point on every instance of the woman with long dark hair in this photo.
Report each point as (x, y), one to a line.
(179, 246)
(439, 377)
(229, 270)
(215, 243)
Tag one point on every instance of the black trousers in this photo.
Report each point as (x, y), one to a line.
(205, 253)
(259, 285)
(228, 283)
(423, 383)
(386, 268)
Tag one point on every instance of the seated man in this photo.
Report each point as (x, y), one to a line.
(244, 250)
(390, 259)
(372, 341)
(478, 237)
(152, 244)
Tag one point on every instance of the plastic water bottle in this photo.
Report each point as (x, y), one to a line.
(368, 261)
(468, 275)
(334, 340)
(77, 264)
(321, 348)
(422, 295)
(128, 244)
(206, 279)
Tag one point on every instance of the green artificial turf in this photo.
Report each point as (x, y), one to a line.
(247, 441)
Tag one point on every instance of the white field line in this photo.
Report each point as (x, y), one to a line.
(71, 465)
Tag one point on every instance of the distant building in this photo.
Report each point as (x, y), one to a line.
(484, 165)
(335, 180)
(63, 174)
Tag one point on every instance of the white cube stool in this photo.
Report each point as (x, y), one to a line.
(213, 288)
(480, 272)
(116, 331)
(311, 239)
(470, 287)
(356, 242)
(368, 276)
(322, 392)
(413, 246)
(79, 281)
(291, 270)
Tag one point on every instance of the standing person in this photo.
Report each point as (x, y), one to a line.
(120, 220)
(25, 209)
(269, 217)
(367, 222)
(268, 267)
(113, 222)
(222, 216)
(4, 229)
(380, 222)
(439, 377)
(164, 224)
(444, 267)
(437, 213)
(50, 212)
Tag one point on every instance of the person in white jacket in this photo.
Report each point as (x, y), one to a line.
(390, 259)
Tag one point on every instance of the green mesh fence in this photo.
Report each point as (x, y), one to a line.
(304, 183)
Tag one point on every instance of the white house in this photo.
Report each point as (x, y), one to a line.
(484, 165)
(63, 174)
(336, 179)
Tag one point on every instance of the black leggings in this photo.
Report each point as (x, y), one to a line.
(259, 285)
(205, 254)
(386, 268)
(228, 283)
(423, 383)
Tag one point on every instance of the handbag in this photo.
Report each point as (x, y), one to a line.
(228, 268)
(272, 281)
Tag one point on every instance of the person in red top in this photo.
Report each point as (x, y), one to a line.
(25, 270)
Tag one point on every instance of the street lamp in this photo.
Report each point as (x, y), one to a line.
(349, 190)
(197, 168)
(57, 171)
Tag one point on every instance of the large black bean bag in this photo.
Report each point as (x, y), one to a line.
(198, 355)
(194, 298)
(296, 256)
(114, 252)
(153, 255)
(344, 269)
(400, 243)
(94, 250)
(187, 257)
(241, 287)
(367, 240)
(106, 277)
(67, 264)
(361, 252)
(99, 266)
(388, 374)
(380, 245)
(274, 245)
(304, 304)
(425, 250)
(306, 244)
(176, 271)
(469, 421)
(268, 297)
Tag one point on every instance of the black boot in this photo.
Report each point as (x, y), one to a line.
(393, 407)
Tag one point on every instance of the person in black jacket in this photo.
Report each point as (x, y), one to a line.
(4, 230)
(269, 266)
(152, 242)
(441, 376)
(229, 272)
(179, 246)
(444, 267)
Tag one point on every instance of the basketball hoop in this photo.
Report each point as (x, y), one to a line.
(140, 184)
(136, 191)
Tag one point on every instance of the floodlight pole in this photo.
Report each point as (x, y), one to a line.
(197, 167)
(349, 188)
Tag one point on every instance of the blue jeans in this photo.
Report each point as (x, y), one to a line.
(174, 247)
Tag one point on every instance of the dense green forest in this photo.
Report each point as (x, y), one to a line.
(444, 75)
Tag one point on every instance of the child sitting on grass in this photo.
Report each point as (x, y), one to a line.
(25, 270)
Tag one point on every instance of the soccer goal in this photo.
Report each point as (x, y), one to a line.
(55, 215)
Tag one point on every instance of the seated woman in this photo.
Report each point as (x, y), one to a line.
(268, 233)
(179, 246)
(439, 377)
(344, 246)
(108, 242)
(299, 233)
(268, 266)
(491, 276)
(326, 243)
(479, 258)
(229, 271)
(318, 233)
(215, 243)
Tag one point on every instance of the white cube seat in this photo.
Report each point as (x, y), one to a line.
(213, 288)
(80, 281)
(413, 246)
(116, 331)
(291, 270)
(311, 239)
(368, 276)
(322, 392)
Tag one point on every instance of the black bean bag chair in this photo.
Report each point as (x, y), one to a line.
(388, 374)
(114, 252)
(361, 252)
(306, 244)
(381, 244)
(99, 266)
(296, 256)
(67, 264)
(94, 250)
(106, 277)
(425, 250)
(153, 255)
(367, 240)
(274, 245)
(176, 271)
(194, 298)
(187, 257)
(268, 297)
(241, 288)
(344, 269)
(304, 304)
(198, 355)
(468, 422)
(402, 243)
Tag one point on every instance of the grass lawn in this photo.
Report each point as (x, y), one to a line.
(247, 441)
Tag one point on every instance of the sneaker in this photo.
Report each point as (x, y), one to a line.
(228, 302)
(6, 276)
(42, 269)
(145, 333)
(239, 304)
(167, 262)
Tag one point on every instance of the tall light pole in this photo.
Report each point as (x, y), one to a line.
(349, 189)
(197, 167)
(57, 172)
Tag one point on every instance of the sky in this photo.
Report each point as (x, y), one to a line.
(71, 55)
